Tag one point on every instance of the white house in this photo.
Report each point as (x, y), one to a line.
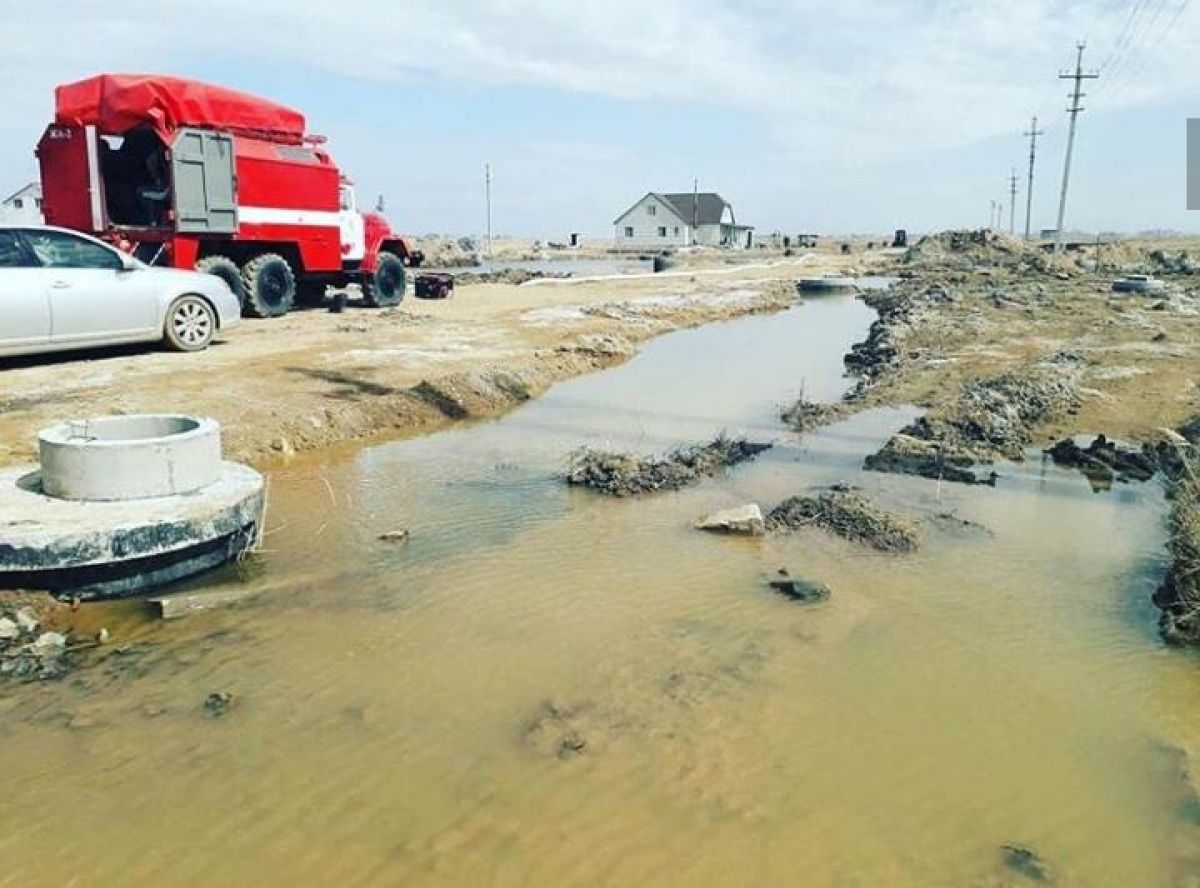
(681, 220)
(23, 207)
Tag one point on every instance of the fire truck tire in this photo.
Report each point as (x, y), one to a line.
(386, 285)
(226, 269)
(270, 286)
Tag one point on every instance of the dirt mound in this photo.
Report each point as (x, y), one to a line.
(624, 474)
(449, 252)
(993, 417)
(804, 416)
(971, 250)
(842, 510)
(1179, 595)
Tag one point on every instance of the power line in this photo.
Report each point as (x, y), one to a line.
(1130, 75)
(1033, 134)
(1076, 94)
(1117, 71)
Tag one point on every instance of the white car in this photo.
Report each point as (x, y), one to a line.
(61, 290)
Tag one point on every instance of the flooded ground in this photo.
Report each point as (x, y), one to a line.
(548, 687)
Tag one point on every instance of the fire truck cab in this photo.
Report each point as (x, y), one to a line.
(186, 174)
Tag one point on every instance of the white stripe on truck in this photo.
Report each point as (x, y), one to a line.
(274, 216)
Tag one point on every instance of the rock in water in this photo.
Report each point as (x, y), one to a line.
(624, 474)
(218, 703)
(804, 591)
(746, 520)
(1026, 862)
(395, 536)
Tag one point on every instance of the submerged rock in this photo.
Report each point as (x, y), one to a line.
(906, 454)
(623, 474)
(1026, 862)
(745, 520)
(845, 512)
(218, 703)
(804, 591)
(805, 415)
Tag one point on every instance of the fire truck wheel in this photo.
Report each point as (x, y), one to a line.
(386, 286)
(270, 286)
(190, 325)
(226, 269)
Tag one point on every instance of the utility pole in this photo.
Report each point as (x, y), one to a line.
(695, 208)
(487, 186)
(1033, 134)
(1012, 202)
(1076, 94)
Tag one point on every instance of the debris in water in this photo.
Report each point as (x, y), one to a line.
(804, 591)
(395, 536)
(842, 510)
(745, 520)
(623, 474)
(1026, 862)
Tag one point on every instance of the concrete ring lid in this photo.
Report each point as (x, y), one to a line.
(131, 457)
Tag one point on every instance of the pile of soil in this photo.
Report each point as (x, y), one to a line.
(1178, 597)
(971, 250)
(804, 416)
(512, 276)
(448, 252)
(842, 510)
(993, 417)
(624, 474)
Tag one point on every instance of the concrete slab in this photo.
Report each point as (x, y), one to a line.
(109, 549)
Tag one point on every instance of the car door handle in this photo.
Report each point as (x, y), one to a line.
(60, 285)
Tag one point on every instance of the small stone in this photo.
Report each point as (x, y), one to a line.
(746, 520)
(284, 446)
(49, 644)
(572, 744)
(8, 629)
(395, 536)
(102, 636)
(218, 703)
(26, 621)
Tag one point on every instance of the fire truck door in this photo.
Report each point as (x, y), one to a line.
(352, 226)
(203, 182)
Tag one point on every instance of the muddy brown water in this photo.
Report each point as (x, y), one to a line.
(412, 714)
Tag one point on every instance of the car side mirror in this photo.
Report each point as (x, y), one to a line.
(128, 263)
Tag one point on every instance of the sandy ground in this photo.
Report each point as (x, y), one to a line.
(314, 379)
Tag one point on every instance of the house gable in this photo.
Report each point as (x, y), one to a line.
(652, 199)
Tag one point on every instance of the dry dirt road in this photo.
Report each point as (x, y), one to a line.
(313, 379)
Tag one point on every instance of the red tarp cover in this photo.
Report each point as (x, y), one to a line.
(115, 103)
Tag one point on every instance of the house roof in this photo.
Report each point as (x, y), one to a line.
(706, 208)
(31, 188)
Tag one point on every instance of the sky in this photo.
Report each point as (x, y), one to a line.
(858, 116)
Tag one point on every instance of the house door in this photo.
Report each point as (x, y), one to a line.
(202, 176)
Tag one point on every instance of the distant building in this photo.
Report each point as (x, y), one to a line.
(659, 221)
(23, 206)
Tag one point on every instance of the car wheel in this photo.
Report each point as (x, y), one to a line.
(191, 324)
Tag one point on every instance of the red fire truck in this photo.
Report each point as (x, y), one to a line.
(190, 175)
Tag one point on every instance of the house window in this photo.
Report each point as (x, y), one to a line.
(662, 231)
(629, 231)
(677, 231)
(38, 201)
(18, 203)
(652, 210)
